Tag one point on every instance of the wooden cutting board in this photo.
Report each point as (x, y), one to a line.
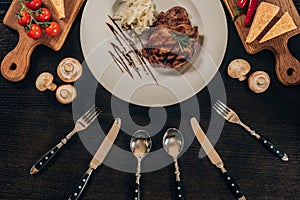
(287, 67)
(16, 63)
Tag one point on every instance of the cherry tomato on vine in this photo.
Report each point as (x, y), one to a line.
(23, 18)
(33, 4)
(53, 29)
(35, 31)
(43, 15)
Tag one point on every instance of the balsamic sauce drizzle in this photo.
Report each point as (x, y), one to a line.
(122, 56)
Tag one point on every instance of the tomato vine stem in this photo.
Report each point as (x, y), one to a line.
(32, 18)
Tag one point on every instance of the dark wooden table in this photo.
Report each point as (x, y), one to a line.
(31, 122)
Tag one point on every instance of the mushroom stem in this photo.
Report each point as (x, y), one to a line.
(52, 87)
(259, 81)
(68, 67)
(69, 70)
(242, 78)
(65, 94)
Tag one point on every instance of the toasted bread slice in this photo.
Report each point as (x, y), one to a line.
(264, 14)
(59, 8)
(282, 26)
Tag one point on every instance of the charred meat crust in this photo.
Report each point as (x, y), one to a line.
(163, 48)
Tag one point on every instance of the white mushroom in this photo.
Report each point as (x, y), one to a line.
(69, 70)
(238, 68)
(44, 82)
(65, 94)
(259, 81)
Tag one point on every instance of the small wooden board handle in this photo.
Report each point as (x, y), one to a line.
(16, 63)
(287, 66)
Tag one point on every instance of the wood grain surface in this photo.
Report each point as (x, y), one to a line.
(31, 122)
(287, 66)
(16, 63)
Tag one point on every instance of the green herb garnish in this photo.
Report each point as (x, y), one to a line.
(182, 39)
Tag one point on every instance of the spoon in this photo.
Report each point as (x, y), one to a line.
(140, 145)
(173, 144)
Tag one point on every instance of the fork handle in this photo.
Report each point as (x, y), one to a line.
(267, 144)
(273, 149)
(47, 157)
(44, 160)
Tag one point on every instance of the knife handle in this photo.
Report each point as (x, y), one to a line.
(273, 149)
(136, 194)
(44, 160)
(179, 191)
(81, 185)
(235, 188)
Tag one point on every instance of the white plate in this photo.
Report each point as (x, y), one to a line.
(173, 87)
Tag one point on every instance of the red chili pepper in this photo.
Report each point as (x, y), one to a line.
(240, 5)
(250, 12)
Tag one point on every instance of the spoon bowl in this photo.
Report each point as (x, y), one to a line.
(173, 142)
(140, 144)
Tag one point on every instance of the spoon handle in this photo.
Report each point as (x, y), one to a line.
(136, 195)
(179, 191)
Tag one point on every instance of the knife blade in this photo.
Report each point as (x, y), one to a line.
(215, 159)
(98, 158)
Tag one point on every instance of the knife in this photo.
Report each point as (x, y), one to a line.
(97, 159)
(216, 159)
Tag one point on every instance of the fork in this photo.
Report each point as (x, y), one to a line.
(82, 123)
(232, 117)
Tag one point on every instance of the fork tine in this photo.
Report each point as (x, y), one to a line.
(221, 108)
(223, 105)
(89, 112)
(93, 116)
(218, 111)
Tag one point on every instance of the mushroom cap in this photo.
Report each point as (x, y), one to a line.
(259, 81)
(65, 94)
(69, 70)
(43, 81)
(238, 68)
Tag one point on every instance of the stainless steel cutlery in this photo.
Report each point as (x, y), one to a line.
(216, 159)
(232, 117)
(173, 144)
(82, 123)
(140, 145)
(97, 159)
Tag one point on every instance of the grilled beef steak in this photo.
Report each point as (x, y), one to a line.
(173, 40)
